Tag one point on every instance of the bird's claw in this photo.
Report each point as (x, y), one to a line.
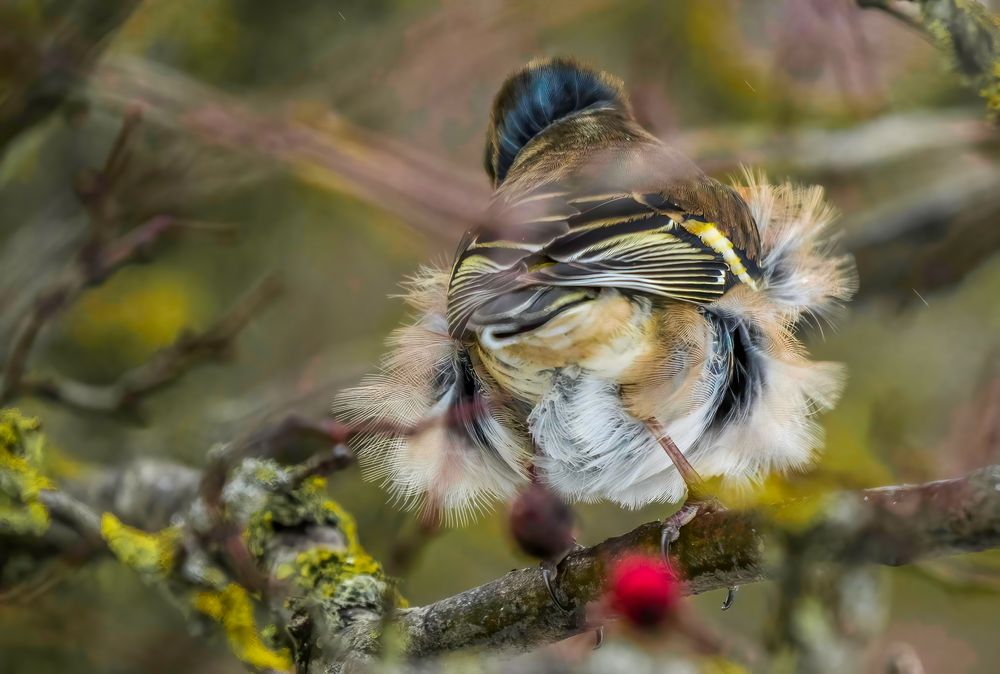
(672, 526)
(730, 599)
(550, 571)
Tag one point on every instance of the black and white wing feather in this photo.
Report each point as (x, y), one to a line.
(554, 249)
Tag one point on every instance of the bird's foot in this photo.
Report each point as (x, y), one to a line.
(550, 572)
(730, 599)
(697, 505)
(598, 637)
(672, 526)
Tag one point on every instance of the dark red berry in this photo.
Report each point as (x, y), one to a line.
(541, 523)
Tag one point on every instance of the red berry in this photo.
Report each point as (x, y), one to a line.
(644, 590)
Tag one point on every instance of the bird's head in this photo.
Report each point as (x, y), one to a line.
(540, 95)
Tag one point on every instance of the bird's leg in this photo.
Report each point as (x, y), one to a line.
(694, 482)
(699, 500)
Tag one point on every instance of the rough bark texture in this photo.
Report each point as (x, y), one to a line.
(890, 525)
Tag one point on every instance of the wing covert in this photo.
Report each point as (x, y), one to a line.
(632, 241)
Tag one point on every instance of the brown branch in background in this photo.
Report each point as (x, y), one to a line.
(439, 199)
(100, 265)
(45, 306)
(927, 241)
(164, 367)
(902, 10)
(967, 31)
(95, 188)
(50, 57)
(101, 256)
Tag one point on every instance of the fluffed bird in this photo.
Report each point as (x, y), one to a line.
(617, 303)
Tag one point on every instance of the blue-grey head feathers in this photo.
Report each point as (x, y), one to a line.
(539, 95)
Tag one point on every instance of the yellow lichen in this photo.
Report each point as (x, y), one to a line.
(22, 451)
(720, 665)
(148, 553)
(325, 569)
(232, 608)
(337, 572)
(991, 91)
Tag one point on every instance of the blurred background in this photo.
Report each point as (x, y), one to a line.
(338, 144)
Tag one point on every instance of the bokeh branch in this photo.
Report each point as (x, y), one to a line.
(164, 367)
(963, 29)
(96, 266)
(441, 201)
(51, 58)
(106, 251)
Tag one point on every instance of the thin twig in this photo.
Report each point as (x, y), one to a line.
(99, 258)
(164, 367)
(46, 305)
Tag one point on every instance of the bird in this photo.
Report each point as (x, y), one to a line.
(618, 326)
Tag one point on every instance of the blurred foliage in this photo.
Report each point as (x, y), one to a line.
(717, 77)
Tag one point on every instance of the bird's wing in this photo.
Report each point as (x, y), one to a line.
(554, 248)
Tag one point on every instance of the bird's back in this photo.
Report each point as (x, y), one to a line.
(590, 212)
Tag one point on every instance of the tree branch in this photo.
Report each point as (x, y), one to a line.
(51, 62)
(891, 526)
(99, 258)
(164, 367)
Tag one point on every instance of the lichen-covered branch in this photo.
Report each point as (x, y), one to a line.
(965, 30)
(309, 569)
(334, 600)
(891, 525)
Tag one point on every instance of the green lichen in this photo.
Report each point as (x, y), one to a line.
(969, 34)
(151, 554)
(285, 509)
(333, 570)
(232, 608)
(22, 478)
